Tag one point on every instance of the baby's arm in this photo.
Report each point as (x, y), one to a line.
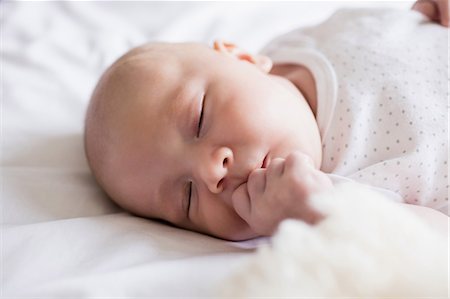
(280, 191)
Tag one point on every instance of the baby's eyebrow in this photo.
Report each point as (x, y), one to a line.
(182, 107)
(187, 113)
(184, 121)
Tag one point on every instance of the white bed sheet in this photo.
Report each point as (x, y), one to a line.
(60, 235)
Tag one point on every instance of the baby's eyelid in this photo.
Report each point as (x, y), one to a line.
(200, 119)
(188, 198)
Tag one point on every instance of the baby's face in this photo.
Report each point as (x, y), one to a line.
(197, 123)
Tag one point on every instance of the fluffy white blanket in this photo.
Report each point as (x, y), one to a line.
(367, 247)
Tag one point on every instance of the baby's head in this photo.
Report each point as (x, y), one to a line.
(173, 129)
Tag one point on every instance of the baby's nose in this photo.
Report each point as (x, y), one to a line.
(216, 169)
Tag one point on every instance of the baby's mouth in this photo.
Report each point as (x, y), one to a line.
(265, 161)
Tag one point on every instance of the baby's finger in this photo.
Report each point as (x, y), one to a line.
(256, 183)
(298, 161)
(241, 202)
(275, 169)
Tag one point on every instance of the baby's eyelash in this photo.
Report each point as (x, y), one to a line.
(189, 197)
(200, 121)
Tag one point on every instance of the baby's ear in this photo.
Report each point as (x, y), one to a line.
(262, 62)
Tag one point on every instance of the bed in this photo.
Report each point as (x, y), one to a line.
(60, 235)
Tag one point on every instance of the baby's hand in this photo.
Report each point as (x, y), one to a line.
(436, 10)
(279, 192)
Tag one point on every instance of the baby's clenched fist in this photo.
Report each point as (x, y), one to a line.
(280, 191)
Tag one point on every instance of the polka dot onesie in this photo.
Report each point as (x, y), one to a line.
(382, 90)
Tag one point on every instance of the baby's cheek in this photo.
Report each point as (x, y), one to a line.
(241, 202)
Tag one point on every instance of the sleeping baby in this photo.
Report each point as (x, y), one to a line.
(229, 144)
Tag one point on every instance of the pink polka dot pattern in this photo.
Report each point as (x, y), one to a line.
(389, 127)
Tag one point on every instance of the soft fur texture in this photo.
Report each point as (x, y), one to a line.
(366, 247)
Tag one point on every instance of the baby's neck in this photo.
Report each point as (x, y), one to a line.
(302, 79)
